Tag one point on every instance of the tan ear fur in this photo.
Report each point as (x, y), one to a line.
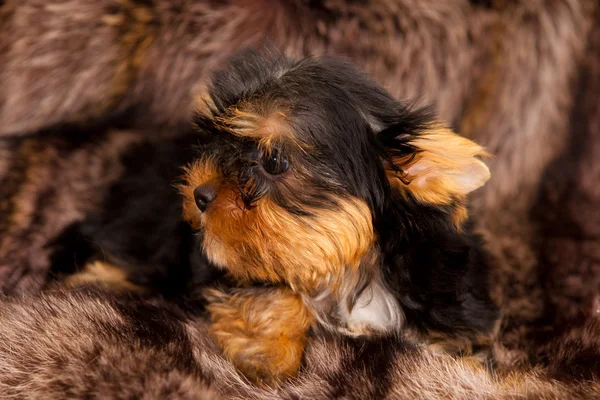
(445, 169)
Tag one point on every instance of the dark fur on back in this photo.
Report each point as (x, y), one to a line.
(97, 223)
(355, 133)
(138, 225)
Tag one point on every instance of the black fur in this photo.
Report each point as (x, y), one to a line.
(139, 226)
(354, 128)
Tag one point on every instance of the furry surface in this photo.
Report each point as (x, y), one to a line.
(520, 77)
(103, 348)
(85, 344)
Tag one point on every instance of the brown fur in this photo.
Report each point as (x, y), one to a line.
(472, 62)
(79, 344)
(46, 184)
(503, 71)
(277, 247)
(568, 206)
(98, 349)
(436, 175)
(260, 331)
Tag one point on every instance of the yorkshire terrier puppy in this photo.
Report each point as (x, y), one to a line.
(332, 206)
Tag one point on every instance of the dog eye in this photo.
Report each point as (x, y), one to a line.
(275, 162)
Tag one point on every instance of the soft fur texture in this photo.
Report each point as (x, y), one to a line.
(86, 344)
(104, 349)
(520, 77)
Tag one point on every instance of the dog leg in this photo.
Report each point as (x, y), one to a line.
(105, 275)
(262, 331)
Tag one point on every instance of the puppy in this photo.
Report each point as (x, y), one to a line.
(332, 206)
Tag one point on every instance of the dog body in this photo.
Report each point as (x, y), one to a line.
(315, 179)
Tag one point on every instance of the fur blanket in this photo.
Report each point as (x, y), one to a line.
(520, 77)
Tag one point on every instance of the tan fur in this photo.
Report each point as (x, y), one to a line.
(459, 217)
(267, 244)
(132, 22)
(104, 274)
(261, 331)
(203, 101)
(446, 168)
(264, 123)
(474, 348)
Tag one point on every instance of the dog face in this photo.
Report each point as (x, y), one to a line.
(307, 167)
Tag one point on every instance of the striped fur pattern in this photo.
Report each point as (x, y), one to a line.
(82, 344)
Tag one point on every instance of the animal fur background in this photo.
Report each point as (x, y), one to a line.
(520, 77)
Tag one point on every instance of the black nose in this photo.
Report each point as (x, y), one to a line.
(204, 195)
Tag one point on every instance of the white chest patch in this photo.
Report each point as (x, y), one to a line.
(375, 311)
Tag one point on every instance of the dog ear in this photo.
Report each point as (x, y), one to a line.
(433, 164)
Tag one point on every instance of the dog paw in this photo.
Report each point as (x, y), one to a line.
(261, 331)
(105, 275)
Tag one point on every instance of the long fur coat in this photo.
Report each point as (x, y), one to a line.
(520, 77)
